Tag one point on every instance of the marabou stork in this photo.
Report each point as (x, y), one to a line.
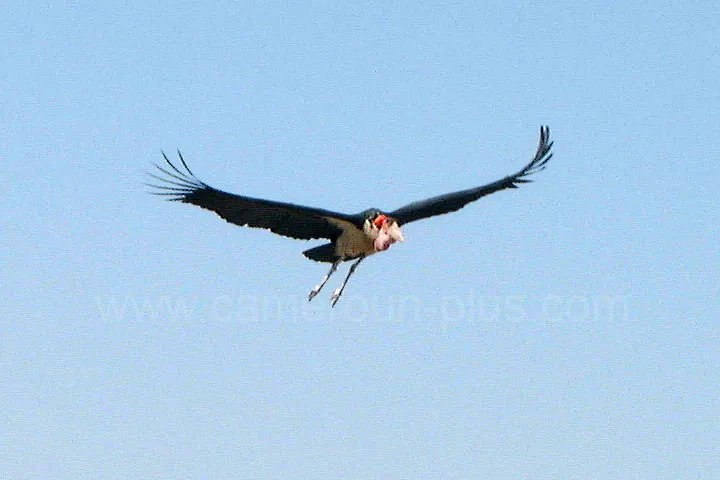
(352, 237)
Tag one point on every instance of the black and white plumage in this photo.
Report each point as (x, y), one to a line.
(352, 237)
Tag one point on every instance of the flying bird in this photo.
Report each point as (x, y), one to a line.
(352, 237)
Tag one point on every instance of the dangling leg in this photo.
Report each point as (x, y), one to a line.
(319, 287)
(339, 291)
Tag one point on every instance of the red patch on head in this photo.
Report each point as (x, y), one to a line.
(379, 220)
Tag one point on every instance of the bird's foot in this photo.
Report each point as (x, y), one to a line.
(314, 292)
(335, 296)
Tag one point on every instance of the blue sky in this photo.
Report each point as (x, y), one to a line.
(567, 329)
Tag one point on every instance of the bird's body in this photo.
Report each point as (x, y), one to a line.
(352, 237)
(354, 242)
(374, 234)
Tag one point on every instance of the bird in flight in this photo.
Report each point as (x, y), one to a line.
(352, 237)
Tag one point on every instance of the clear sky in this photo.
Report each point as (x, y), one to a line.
(567, 329)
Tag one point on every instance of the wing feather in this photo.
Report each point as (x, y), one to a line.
(286, 219)
(451, 202)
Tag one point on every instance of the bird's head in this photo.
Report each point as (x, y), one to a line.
(387, 231)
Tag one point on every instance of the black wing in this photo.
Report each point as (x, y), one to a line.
(294, 221)
(451, 202)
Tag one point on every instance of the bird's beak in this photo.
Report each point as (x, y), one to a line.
(389, 233)
(395, 232)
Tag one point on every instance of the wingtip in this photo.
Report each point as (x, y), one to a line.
(545, 134)
(174, 181)
(182, 160)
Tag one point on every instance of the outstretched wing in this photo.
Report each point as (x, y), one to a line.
(286, 219)
(451, 202)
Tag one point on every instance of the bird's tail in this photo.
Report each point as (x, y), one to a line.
(323, 253)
